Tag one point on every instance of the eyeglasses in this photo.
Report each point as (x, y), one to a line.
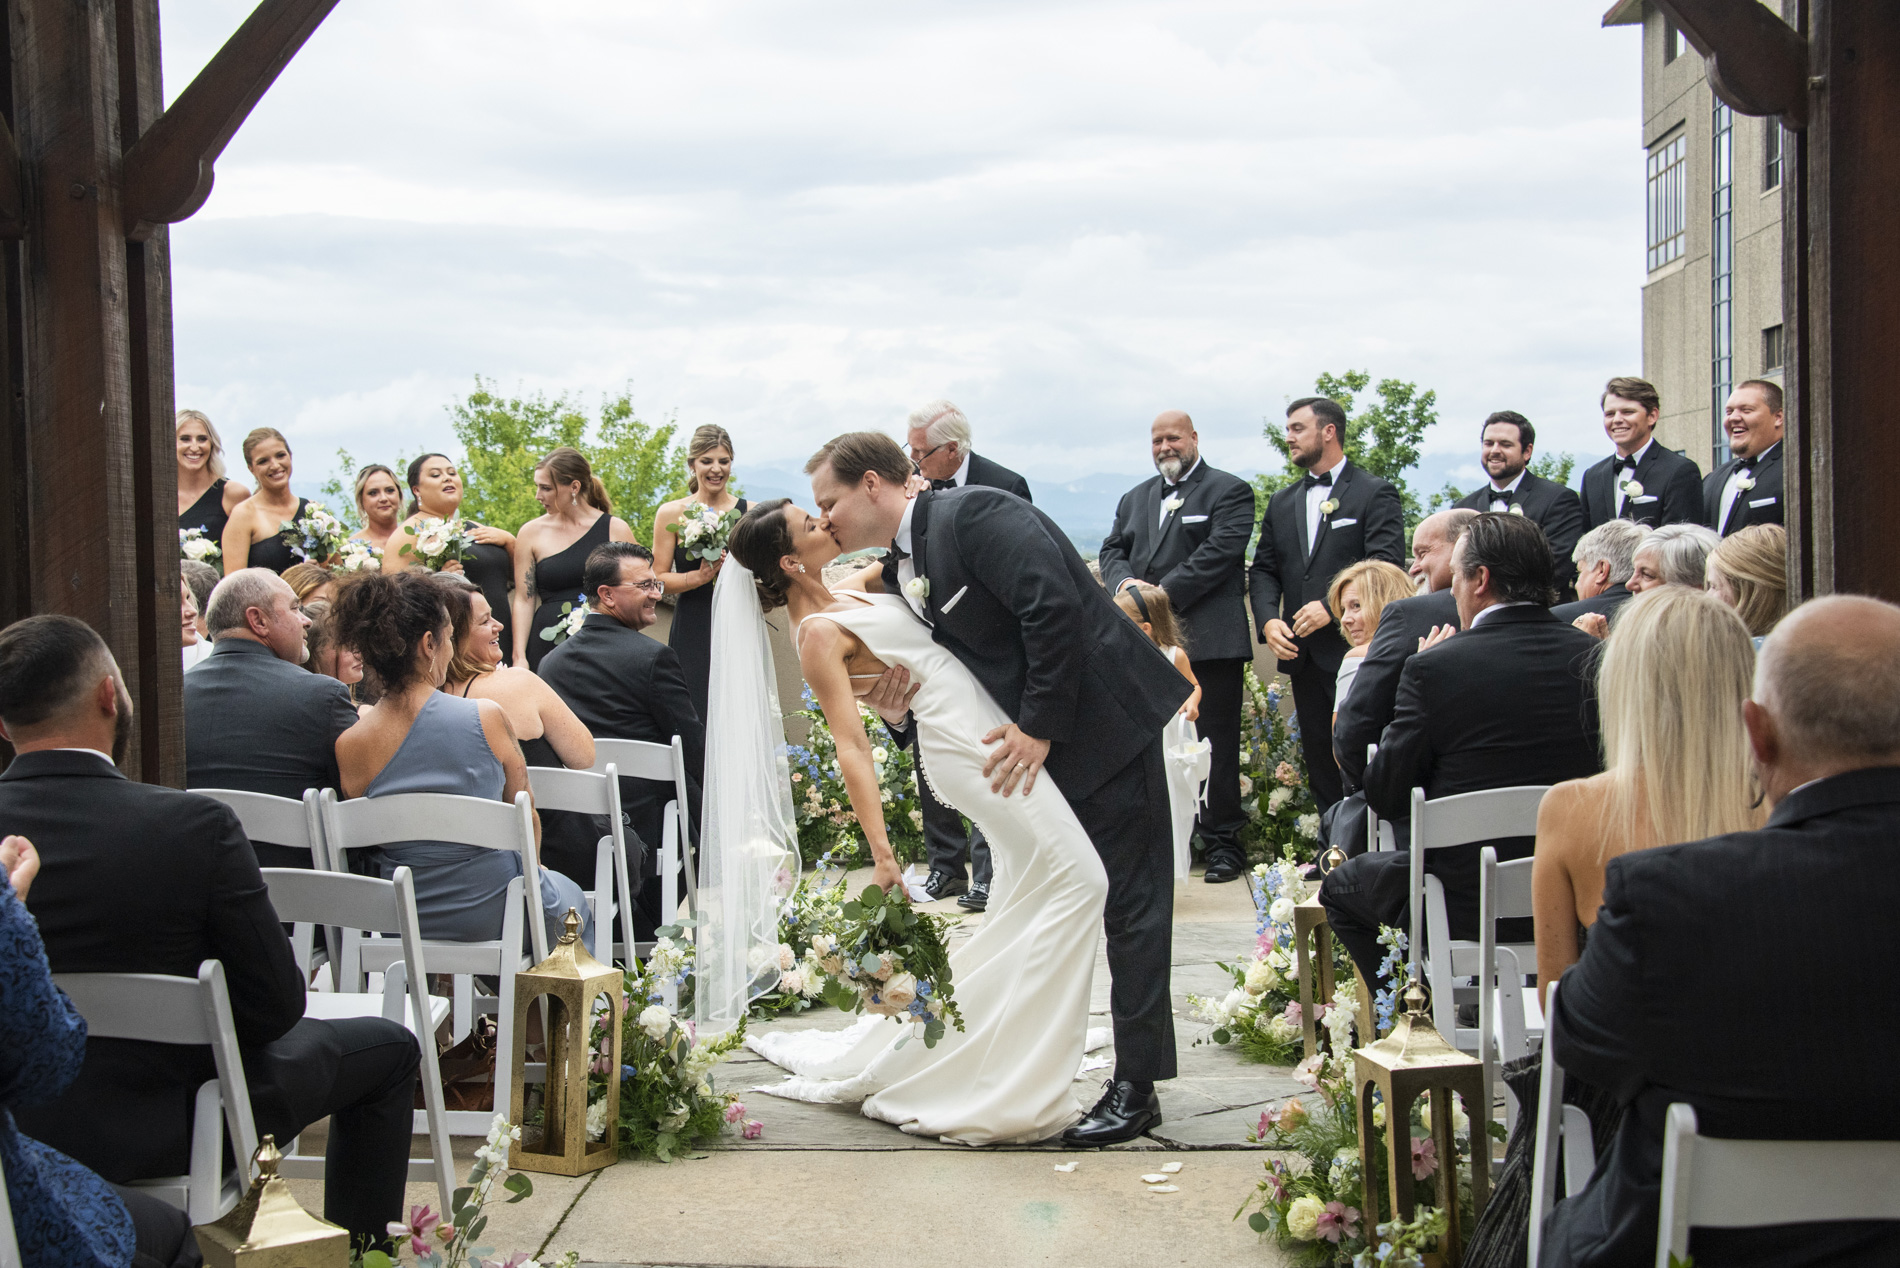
(922, 457)
(651, 585)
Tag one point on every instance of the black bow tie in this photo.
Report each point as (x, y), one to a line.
(1747, 464)
(897, 554)
(1315, 481)
(1626, 464)
(892, 557)
(940, 485)
(1502, 495)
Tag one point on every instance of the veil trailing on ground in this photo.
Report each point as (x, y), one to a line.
(749, 837)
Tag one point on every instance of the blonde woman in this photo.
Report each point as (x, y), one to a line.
(551, 550)
(206, 497)
(379, 499)
(1359, 595)
(1674, 671)
(1749, 572)
(251, 538)
(708, 472)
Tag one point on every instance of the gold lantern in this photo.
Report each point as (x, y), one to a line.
(577, 989)
(1313, 961)
(267, 1229)
(1415, 1060)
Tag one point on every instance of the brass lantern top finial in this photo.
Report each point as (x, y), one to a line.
(571, 928)
(1333, 857)
(1415, 998)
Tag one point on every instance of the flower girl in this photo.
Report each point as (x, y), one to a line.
(1189, 756)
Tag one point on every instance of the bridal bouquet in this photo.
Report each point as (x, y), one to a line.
(889, 960)
(702, 531)
(193, 544)
(439, 542)
(316, 536)
(359, 557)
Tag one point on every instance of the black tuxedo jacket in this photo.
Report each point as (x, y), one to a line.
(1672, 491)
(1369, 523)
(1666, 1001)
(623, 685)
(1198, 555)
(1367, 708)
(1759, 505)
(1010, 598)
(259, 724)
(1612, 598)
(135, 878)
(1505, 703)
(994, 475)
(1554, 507)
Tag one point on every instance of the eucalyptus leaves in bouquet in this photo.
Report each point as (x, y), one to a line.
(316, 536)
(892, 961)
(439, 542)
(1281, 813)
(822, 805)
(810, 909)
(702, 531)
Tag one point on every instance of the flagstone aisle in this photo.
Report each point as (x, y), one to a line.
(827, 1188)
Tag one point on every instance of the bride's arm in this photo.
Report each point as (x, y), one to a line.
(822, 651)
(869, 580)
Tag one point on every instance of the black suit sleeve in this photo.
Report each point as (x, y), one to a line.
(1217, 559)
(1600, 1004)
(267, 991)
(1682, 496)
(339, 715)
(1263, 579)
(1113, 557)
(1385, 526)
(1563, 527)
(1020, 487)
(1404, 759)
(1368, 706)
(671, 702)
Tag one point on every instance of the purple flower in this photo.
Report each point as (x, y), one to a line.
(1339, 1221)
(1424, 1158)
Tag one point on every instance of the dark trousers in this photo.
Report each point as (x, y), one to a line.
(1221, 819)
(1313, 687)
(1376, 889)
(162, 1232)
(945, 838)
(1129, 822)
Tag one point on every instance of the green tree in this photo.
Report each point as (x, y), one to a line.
(1383, 438)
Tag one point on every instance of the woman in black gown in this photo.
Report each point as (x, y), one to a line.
(551, 550)
(709, 468)
(205, 497)
(436, 493)
(253, 538)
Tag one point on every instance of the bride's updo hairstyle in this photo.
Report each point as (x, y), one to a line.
(383, 616)
(759, 540)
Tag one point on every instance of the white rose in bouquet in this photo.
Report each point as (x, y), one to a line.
(431, 540)
(1261, 978)
(899, 991)
(1281, 912)
(885, 966)
(656, 1021)
(1302, 1218)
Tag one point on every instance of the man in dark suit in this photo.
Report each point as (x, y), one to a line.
(939, 438)
(1086, 693)
(1367, 708)
(141, 879)
(1746, 489)
(1501, 703)
(623, 685)
(1333, 516)
(1665, 1003)
(1605, 559)
(1186, 531)
(1506, 443)
(255, 719)
(1642, 481)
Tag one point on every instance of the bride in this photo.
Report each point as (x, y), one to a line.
(1023, 981)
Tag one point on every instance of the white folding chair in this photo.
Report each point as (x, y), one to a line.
(387, 907)
(1441, 824)
(662, 763)
(1379, 835)
(474, 821)
(1508, 1015)
(1564, 1140)
(596, 793)
(156, 1008)
(294, 825)
(1715, 1182)
(9, 1244)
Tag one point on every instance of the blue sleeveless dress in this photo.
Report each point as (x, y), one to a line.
(462, 890)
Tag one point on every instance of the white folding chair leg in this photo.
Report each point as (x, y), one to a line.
(1580, 1152)
(9, 1243)
(206, 1185)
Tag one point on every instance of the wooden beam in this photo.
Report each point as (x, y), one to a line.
(169, 171)
(1757, 63)
(12, 205)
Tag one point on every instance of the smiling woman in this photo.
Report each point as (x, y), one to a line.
(253, 537)
(435, 488)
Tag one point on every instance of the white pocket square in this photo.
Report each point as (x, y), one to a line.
(1343, 523)
(955, 599)
(1646, 498)
(1194, 519)
(1763, 501)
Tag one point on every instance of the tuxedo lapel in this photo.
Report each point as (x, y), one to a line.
(1147, 532)
(919, 548)
(1336, 495)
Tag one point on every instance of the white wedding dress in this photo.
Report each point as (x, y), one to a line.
(1022, 982)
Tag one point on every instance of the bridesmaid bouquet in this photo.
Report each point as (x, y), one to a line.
(703, 532)
(573, 616)
(439, 542)
(889, 960)
(316, 536)
(193, 544)
(359, 557)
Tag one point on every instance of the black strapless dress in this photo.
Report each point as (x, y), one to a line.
(271, 552)
(691, 635)
(207, 512)
(557, 580)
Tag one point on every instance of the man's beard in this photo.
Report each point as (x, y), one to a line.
(122, 728)
(1305, 458)
(1170, 468)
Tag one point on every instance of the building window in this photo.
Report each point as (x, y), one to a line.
(1772, 143)
(1721, 272)
(1668, 200)
(1674, 45)
(1774, 352)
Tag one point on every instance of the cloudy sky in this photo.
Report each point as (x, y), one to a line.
(798, 217)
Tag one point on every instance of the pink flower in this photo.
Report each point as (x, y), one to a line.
(1263, 946)
(1266, 1125)
(1424, 1158)
(1292, 1114)
(1293, 1013)
(752, 1130)
(782, 881)
(1307, 1071)
(421, 1220)
(1339, 1221)
(1286, 774)
(1276, 1181)
(735, 1111)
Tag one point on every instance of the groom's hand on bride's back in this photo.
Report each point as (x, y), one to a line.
(890, 695)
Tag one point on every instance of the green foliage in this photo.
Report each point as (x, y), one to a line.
(881, 942)
(826, 821)
(337, 490)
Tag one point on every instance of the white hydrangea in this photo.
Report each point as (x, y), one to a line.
(597, 1120)
(656, 1021)
(1309, 826)
(1277, 799)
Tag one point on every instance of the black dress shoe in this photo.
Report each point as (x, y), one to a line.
(942, 885)
(1120, 1115)
(978, 899)
(1224, 868)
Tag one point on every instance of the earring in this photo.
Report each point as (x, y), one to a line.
(801, 567)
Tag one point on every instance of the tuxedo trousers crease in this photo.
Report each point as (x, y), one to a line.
(1221, 818)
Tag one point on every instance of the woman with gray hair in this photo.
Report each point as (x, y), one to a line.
(1673, 555)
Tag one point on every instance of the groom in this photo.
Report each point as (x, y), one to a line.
(1087, 695)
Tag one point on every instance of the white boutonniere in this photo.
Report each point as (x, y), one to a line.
(1744, 482)
(918, 588)
(1329, 506)
(1172, 505)
(1517, 508)
(1632, 488)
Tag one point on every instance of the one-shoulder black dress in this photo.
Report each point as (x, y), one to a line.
(557, 580)
(272, 552)
(691, 635)
(207, 512)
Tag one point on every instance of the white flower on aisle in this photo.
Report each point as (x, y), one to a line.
(1281, 911)
(1309, 826)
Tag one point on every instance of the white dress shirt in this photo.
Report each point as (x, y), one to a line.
(1733, 489)
(1168, 487)
(1317, 496)
(906, 568)
(1506, 493)
(962, 477)
(95, 752)
(1620, 477)
(1478, 620)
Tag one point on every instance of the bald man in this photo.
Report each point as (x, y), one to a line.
(1186, 531)
(1667, 1003)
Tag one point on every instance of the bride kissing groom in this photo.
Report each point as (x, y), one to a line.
(1037, 708)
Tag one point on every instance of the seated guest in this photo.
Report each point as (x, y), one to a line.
(1667, 1002)
(1605, 558)
(254, 720)
(327, 656)
(1749, 572)
(416, 739)
(136, 878)
(196, 646)
(313, 583)
(1673, 555)
(1360, 594)
(203, 579)
(1500, 704)
(626, 686)
(1670, 684)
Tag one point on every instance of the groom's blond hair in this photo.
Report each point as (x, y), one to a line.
(856, 452)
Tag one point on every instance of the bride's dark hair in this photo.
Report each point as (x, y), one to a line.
(759, 540)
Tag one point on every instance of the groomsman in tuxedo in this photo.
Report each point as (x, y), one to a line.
(1332, 516)
(1186, 531)
(1606, 560)
(1642, 481)
(1746, 489)
(939, 438)
(1506, 442)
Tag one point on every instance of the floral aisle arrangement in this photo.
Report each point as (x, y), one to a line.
(825, 818)
(890, 960)
(193, 544)
(702, 531)
(1281, 813)
(451, 1243)
(439, 542)
(316, 536)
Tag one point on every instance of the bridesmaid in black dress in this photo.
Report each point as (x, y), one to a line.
(205, 497)
(253, 537)
(709, 467)
(436, 493)
(551, 550)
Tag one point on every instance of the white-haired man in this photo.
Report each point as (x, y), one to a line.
(939, 439)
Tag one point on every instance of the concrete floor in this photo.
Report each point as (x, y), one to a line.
(828, 1188)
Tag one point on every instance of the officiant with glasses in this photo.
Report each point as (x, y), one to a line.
(1186, 530)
